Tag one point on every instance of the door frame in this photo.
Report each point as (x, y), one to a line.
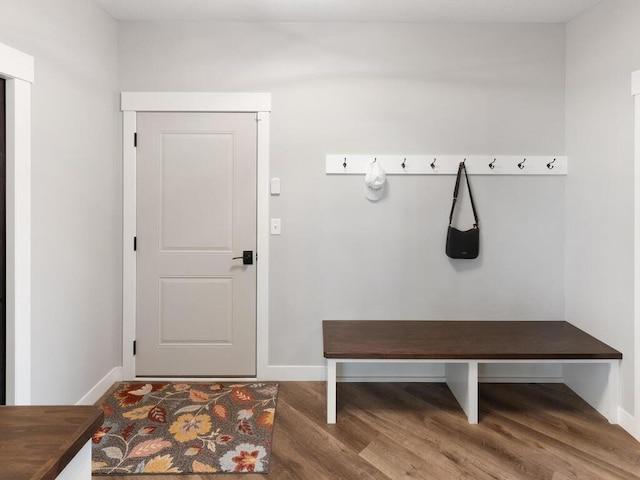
(635, 91)
(130, 104)
(17, 68)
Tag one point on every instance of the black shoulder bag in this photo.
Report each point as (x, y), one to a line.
(463, 244)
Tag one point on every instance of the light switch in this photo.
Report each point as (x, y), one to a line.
(275, 186)
(276, 226)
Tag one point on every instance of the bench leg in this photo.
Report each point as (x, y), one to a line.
(597, 384)
(79, 468)
(331, 390)
(462, 380)
(612, 389)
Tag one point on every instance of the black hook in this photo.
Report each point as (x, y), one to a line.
(491, 165)
(433, 164)
(521, 164)
(550, 164)
(344, 165)
(404, 163)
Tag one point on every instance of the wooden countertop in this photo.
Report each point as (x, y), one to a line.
(37, 442)
(497, 340)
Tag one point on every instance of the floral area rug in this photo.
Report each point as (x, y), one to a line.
(185, 428)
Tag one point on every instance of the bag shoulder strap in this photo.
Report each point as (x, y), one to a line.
(455, 192)
(461, 168)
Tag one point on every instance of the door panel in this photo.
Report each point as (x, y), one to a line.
(196, 211)
(196, 181)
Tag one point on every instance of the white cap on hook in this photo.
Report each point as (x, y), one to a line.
(374, 182)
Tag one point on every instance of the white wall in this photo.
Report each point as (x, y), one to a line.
(386, 88)
(603, 48)
(76, 192)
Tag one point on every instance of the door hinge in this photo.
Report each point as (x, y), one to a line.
(135, 139)
(134, 347)
(135, 243)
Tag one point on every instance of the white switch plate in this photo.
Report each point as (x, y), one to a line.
(275, 186)
(276, 226)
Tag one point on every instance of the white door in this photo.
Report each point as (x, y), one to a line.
(196, 212)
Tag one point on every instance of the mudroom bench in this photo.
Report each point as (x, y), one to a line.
(47, 442)
(462, 345)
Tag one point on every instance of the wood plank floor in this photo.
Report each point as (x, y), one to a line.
(417, 431)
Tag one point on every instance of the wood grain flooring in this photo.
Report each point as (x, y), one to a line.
(417, 431)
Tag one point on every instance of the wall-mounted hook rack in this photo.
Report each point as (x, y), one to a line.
(448, 164)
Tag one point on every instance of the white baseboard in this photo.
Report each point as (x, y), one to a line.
(293, 373)
(317, 373)
(432, 379)
(523, 379)
(101, 387)
(629, 423)
(391, 379)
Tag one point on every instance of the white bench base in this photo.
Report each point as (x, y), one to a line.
(599, 387)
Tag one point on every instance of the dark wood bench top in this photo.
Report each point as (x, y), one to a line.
(37, 443)
(481, 340)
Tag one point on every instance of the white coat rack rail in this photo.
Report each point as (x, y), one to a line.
(448, 164)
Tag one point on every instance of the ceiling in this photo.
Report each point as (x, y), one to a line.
(456, 11)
